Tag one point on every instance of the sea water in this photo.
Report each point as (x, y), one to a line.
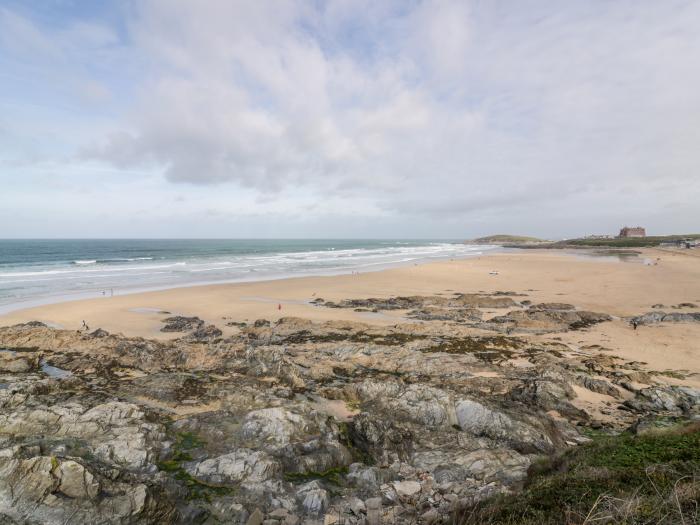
(42, 271)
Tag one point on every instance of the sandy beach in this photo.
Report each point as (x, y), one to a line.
(444, 379)
(616, 286)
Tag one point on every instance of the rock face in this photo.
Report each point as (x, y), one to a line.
(18, 362)
(481, 421)
(240, 465)
(45, 489)
(464, 302)
(298, 422)
(179, 323)
(674, 400)
(540, 321)
(464, 308)
(663, 317)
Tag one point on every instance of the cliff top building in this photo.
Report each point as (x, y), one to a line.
(632, 232)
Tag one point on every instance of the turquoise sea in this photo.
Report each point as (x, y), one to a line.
(42, 271)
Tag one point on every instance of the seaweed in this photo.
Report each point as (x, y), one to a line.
(332, 475)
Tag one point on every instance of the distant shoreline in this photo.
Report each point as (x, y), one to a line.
(35, 273)
(134, 290)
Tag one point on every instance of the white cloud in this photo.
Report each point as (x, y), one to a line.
(417, 110)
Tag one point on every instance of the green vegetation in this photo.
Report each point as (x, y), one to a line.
(332, 475)
(188, 441)
(650, 478)
(196, 489)
(629, 242)
(503, 238)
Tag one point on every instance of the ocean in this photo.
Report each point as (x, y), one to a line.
(36, 272)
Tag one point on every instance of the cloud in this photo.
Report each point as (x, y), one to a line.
(423, 109)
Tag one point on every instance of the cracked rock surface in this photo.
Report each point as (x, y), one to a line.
(306, 422)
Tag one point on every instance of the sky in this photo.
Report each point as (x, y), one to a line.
(348, 118)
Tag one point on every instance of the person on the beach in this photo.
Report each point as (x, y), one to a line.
(634, 324)
(85, 326)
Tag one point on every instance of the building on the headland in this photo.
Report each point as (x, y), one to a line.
(637, 231)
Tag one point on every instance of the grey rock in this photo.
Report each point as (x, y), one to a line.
(314, 499)
(598, 385)
(374, 511)
(672, 399)
(430, 516)
(256, 518)
(181, 323)
(203, 334)
(383, 440)
(99, 333)
(406, 488)
(663, 317)
(356, 506)
(16, 362)
(273, 426)
(75, 481)
(291, 519)
(479, 420)
(235, 467)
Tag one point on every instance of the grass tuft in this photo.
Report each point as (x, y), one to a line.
(650, 478)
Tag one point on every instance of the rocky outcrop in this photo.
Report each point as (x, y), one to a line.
(181, 323)
(298, 422)
(673, 399)
(45, 489)
(11, 361)
(663, 317)
(542, 321)
(242, 465)
(460, 301)
(481, 421)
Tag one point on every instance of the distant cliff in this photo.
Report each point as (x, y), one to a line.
(507, 239)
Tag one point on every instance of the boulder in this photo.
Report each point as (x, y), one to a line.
(406, 489)
(663, 317)
(673, 399)
(381, 439)
(479, 420)
(273, 426)
(75, 481)
(18, 362)
(181, 323)
(313, 498)
(235, 467)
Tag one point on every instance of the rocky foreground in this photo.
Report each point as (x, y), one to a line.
(302, 422)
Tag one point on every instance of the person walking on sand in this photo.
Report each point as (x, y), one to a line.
(634, 324)
(85, 326)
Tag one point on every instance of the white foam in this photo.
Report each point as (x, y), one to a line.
(94, 276)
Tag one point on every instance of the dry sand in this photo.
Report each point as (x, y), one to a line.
(598, 284)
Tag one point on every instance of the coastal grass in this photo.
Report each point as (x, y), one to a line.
(624, 479)
(515, 241)
(630, 242)
(506, 238)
